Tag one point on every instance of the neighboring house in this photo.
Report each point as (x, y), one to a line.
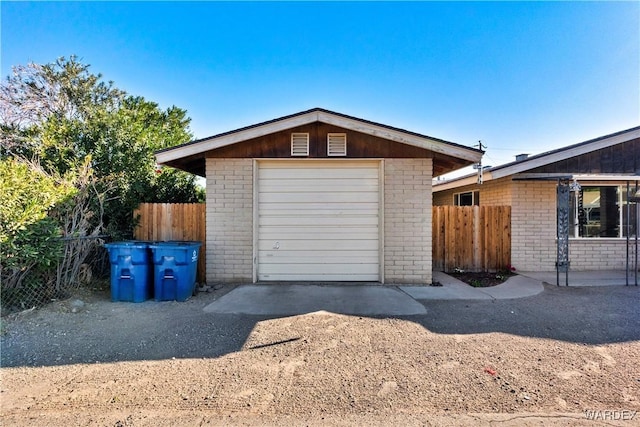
(599, 219)
(319, 196)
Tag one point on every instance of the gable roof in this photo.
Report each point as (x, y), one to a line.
(543, 159)
(195, 150)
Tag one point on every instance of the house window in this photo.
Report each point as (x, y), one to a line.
(470, 198)
(299, 144)
(337, 144)
(601, 211)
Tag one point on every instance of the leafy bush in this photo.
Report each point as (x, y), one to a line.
(100, 141)
(30, 244)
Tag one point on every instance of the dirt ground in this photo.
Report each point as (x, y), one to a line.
(561, 358)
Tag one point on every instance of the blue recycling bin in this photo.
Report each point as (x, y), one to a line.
(131, 271)
(175, 265)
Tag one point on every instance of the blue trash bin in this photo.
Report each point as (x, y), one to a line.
(175, 265)
(131, 271)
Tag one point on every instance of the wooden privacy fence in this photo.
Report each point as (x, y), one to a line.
(173, 221)
(473, 238)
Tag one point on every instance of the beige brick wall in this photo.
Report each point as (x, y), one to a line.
(443, 198)
(492, 193)
(407, 220)
(533, 225)
(229, 220)
(496, 192)
(598, 254)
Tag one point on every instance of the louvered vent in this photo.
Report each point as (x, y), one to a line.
(337, 144)
(299, 144)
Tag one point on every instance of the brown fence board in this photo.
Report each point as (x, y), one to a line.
(473, 238)
(173, 221)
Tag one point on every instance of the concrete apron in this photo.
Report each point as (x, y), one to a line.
(284, 299)
(376, 300)
(291, 299)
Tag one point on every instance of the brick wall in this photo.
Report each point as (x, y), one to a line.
(492, 193)
(496, 192)
(443, 198)
(598, 254)
(229, 220)
(407, 220)
(533, 225)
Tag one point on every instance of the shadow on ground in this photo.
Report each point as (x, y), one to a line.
(594, 315)
(104, 332)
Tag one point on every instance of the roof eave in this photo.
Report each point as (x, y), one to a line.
(564, 153)
(461, 182)
(229, 138)
(543, 159)
(318, 115)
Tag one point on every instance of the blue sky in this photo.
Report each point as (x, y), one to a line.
(522, 77)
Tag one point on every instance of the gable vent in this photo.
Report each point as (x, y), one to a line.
(337, 144)
(299, 144)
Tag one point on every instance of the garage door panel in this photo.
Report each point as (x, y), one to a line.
(325, 277)
(318, 233)
(319, 245)
(329, 257)
(326, 197)
(318, 269)
(306, 221)
(328, 212)
(318, 173)
(318, 185)
(283, 208)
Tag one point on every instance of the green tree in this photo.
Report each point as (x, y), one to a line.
(60, 115)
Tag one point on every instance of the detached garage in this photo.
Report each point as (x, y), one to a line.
(319, 196)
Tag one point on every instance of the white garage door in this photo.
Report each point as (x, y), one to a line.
(318, 220)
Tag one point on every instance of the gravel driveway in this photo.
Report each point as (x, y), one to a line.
(558, 358)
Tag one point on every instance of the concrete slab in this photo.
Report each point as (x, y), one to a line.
(584, 278)
(288, 300)
(515, 287)
(452, 288)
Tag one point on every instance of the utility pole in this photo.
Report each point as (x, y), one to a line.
(479, 164)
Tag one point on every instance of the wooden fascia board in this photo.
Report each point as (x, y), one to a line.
(399, 136)
(575, 176)
(542, 176)
(591, 177)
(461, 182)
(544, 160)
(200, 147)
(235, 137)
